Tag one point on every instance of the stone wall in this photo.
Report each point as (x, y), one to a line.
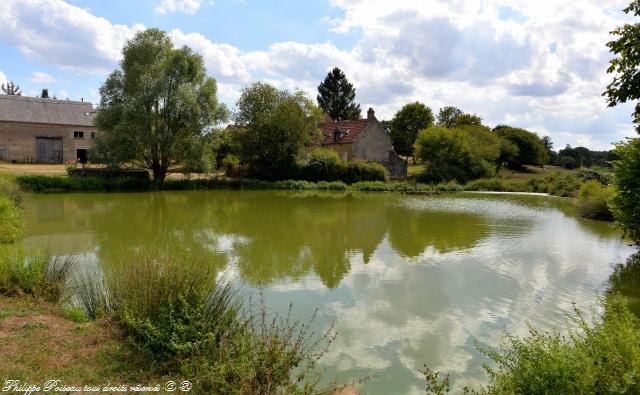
(372, 144)
(396, 165)
(18, 140)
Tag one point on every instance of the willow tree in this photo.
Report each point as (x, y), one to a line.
(157, 108)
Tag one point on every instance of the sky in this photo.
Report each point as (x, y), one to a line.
(540, 65)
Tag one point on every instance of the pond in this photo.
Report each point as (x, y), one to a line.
(407, 280)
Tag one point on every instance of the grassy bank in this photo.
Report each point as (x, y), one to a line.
(58, 184)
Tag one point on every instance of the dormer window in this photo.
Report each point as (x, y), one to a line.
(339, 135)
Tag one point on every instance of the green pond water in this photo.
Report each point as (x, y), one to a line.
(407, 280)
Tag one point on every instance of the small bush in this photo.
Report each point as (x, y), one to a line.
(75, 314)
(365, 171)
(487, 184)
(451, 186)
(10, 189)
(11, 224)
(371, 186)
(230, 163)
(21, 272)
(593, 201)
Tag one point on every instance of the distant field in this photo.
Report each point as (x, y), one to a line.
(53, 170)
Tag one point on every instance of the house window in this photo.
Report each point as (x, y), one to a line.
(78, 135)
(93, 135)
(4, 154)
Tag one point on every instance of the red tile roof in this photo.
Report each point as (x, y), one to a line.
(348, 131)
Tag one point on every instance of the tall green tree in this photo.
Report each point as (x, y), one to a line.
(531, 150)
(447, 116)
(10, 88)
(336, 96)
(275, 126)
(406, 125)
(626, 201)
(626, 86)
(157, 108)
(457, 154)
(625, 64)
(44, 93)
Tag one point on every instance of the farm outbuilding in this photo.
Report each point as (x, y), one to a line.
(35, 130)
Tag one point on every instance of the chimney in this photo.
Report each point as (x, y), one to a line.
(371, 114)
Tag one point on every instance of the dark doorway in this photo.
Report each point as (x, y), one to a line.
(49, 149)
(82, 155)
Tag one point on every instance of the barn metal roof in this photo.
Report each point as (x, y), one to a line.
(46, 111)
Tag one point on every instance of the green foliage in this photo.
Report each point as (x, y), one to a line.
(365, 171)
(44, 93)
(625, 281)
(531, 150)
(230, 164)
(336, 97)
(406, 124)
(11, 223)
(468, 120)
(601, 356)
(274, 129)
(597, 357)
(49, 184)
(324, 165)
(21, 272)
(457, 154)
(593, 201)
(156, 110)
(625, 85)
(447, 117)
(626, 202)
(10, 189)
(35, 273)
(75, 314)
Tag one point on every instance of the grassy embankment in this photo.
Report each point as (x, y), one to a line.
(156, 318)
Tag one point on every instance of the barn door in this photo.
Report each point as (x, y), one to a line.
(49, 149)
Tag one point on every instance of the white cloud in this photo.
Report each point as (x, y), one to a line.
(40, 77)
(185, 6)
(539, 65)
(63, 35)
(3, 78)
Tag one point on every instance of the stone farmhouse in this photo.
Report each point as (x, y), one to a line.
(34, 130)
(363, 139)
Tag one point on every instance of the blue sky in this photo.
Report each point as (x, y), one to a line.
(539, 65)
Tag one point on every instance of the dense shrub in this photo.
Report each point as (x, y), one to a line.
(593, 201)
(33, 273)
(230, 163)
(48, 184)
(626, 202)
(365, 171)
(531, 150)
(324, 165)
(602, 356)
(459, 154)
